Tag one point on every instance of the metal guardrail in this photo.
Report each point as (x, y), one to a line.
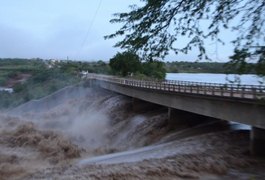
(210, 89)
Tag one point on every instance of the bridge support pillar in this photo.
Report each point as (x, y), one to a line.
(257, 141)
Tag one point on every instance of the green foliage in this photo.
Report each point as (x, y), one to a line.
(155, 28)
(2, 81)
(154, 69)
(18, 88)
(100, 67)
(260, 66)
(232, 67)
(74, 67)
(128, 63)
(11, 68)
(239, 62)
(35, 89)
(6, 100)
(47, 76)
(141, 76)
(50, 76)
(196, 67)
(125, 63)
(21, 65)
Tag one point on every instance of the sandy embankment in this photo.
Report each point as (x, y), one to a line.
(59, 136)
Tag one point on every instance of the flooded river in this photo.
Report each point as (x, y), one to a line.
(85, 133)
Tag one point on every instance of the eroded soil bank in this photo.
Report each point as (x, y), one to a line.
(85, 133)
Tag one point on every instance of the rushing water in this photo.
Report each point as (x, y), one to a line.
(247, 79)
(62, 133)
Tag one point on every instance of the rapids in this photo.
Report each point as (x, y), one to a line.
(89, 133)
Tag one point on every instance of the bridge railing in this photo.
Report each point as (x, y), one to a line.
(210, 89)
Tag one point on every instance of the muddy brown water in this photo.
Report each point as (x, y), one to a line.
(85, 133)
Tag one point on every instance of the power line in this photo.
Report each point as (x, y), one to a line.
(90, 27)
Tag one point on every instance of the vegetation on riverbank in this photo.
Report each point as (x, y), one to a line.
(208, 67)
(33, 79)
(130, 64)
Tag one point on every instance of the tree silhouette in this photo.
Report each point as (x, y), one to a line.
(154, 29)
(125, 63)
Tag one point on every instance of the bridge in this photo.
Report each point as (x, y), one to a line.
(238, 103)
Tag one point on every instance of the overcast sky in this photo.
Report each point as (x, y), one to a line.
(57, 29)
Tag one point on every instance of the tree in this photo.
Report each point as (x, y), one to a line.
(239, 61)
(154, 29)
(260, 66)
(125, 63)
(154, 69)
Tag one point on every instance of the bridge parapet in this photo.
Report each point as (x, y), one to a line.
(250, 92)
